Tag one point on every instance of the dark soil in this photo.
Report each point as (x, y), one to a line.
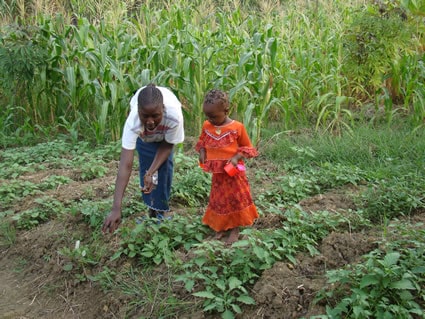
(34, 284)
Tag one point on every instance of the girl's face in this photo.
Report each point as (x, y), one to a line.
(215, 112)
(151, 115)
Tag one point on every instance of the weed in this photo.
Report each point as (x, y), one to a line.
(81, 256)
(7, 233)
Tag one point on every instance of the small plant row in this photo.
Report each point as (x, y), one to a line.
(221, 275)
(388, 283)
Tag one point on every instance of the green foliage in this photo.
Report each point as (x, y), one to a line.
(220, 270)
(191, 185)
(299, 65)
(50, 151)
(221, 275)
(93, 169)
(7, 231)
(375, 151)
(80, 256)
(302, 182)
(21, 57)
(46, 208)
(385, 165)
(93, 212)
(416, 7)
(154, 242)
(375, 40)
(383, 286)
(16, 188)
(387, 199)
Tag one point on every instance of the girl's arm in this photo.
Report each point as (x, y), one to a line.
(245, 147)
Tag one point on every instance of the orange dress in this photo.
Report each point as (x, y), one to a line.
(230, 204)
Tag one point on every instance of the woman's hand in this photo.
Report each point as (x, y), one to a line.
(112, 222)
(148, 184)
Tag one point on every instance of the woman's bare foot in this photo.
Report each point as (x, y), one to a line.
(233, 237)
(153, 213)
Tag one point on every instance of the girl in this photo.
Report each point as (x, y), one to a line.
(224, 141)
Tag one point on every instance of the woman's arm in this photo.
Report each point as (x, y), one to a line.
(125, 167)
(164, 150)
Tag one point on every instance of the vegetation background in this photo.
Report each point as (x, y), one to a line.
(69, 67)
(332, 93)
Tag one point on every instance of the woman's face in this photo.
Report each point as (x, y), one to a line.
(215, 113)
(151, 115)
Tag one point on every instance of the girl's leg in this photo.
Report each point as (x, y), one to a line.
(219, 235)
(234, 236)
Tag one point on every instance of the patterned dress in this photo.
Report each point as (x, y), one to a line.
(230, 204)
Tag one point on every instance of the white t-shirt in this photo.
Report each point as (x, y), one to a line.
(170, 129)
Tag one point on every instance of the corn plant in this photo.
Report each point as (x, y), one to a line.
(295, 65)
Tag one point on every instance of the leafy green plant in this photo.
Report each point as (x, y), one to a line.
(46, 208)
(93, 169)
(16, 189)
(216, 268)
(191, 185)
(220, 275)
(21, 58)
(282, 67)
(388, 284)
(80, 256)
(393, 197)
(93, 212)
(154, 242)
(375, 39)
(14, 170)
(303, 181)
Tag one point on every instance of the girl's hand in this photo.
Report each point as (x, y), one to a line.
(235, 159)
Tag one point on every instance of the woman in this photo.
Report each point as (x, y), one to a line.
(153, 127)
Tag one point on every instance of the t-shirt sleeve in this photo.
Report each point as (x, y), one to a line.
(175, 122)
(175, 133)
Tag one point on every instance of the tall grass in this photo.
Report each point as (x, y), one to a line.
(280, 62)
(379, 150)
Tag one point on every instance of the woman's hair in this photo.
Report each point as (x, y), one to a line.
(150, 95)
(217, 96)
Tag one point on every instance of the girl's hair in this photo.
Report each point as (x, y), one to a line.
(217, 96)
(150, 95)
